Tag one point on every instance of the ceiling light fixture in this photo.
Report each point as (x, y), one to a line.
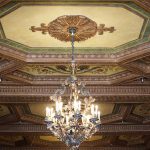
(75, 120)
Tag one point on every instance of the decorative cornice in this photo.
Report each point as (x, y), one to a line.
(102, 98)
(36, 91)
(120, 57)
(104, 129)
(55, 80)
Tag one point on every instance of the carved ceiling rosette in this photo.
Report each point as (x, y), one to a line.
(85, 28)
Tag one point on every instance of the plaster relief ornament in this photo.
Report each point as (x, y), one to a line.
(85, 28)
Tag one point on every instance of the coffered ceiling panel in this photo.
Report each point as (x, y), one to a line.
(122, 16)
(109, 15)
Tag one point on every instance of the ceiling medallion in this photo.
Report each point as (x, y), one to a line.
(85, 28)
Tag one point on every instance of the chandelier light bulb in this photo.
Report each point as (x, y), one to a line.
(48, 112)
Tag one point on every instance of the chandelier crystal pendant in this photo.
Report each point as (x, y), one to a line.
(77, 119)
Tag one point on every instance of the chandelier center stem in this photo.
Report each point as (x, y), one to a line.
(72, 31)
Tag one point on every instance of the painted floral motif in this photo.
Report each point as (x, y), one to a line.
(65, 70)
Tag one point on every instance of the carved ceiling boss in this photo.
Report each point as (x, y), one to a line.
(85, 28)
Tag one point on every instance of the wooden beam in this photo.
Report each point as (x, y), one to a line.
(115, 129)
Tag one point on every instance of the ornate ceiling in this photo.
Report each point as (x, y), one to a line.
(115, 66)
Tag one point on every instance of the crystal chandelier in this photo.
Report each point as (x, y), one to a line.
(77, 118)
